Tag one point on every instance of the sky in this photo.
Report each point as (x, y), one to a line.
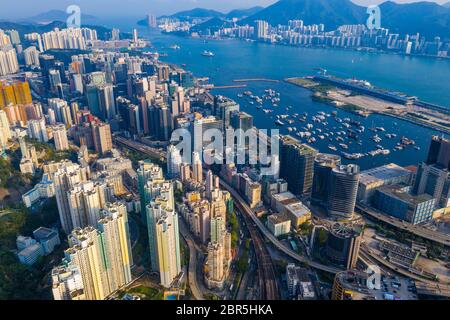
(9, 9)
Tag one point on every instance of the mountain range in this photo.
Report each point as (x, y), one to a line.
(56, 15)
(427, 18)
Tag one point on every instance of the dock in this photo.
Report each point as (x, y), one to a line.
(256, 80)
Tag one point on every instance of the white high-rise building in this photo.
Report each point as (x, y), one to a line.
(173, 161)
(67, 283)
(37, 130)
(31, 55)
(8, 61)
(66, 176)
(5, 132)
(86, 199)
(167, 244)
(60, 137)
(100, 257)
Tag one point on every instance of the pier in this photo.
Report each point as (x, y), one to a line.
(256, 80)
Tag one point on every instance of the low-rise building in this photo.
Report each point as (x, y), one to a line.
(279, 224)
(48, 238)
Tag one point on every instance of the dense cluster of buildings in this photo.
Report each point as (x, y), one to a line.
(297, 33)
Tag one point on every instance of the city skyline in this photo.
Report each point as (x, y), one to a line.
(236, 161)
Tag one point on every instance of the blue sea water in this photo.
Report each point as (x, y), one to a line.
(427, 78)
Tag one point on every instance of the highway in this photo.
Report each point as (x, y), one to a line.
(140, 147)
(400, 224)
(192, 273)
(240, 202)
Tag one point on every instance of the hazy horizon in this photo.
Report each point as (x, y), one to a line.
(138, 8)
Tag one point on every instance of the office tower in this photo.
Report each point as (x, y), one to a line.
(397, 201)
(173, 161)
(343, 190)
(433, 180)
(101, 134)
(107, 104)
(65, 178)
(93, 99)
(343, 244)
(297, 165)
(165, 123)
(323, 166)
(197, 170)
(241, 120)
(5, 132)
(135, 36)
(60, 137)
(8, 61)
(223, 108)
(168, 247)
(67, 283)
(262, 29)
(31, 55)
(37, 130)
(439, 152)
(198, 129)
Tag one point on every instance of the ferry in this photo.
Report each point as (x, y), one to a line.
(207, 53)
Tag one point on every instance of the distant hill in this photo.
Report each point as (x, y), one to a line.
(57, 15)
(24, 28)
(242, 13)
(196, 13)
(211, 25)
(427, 18)
(332, 13)
(446, 5)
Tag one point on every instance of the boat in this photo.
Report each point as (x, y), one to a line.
(279, 122)
(174, 47)
(207, 53)
(331, 147)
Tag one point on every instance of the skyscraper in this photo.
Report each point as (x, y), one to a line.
(168, 246)
(343, 190)
(60, 137)
(323, 165)
(98, 261)
(101, 134)
(67, 175)
(173, 161)
(297, 165)
(197, 171)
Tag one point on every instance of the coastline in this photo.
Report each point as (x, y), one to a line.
(319, 94)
